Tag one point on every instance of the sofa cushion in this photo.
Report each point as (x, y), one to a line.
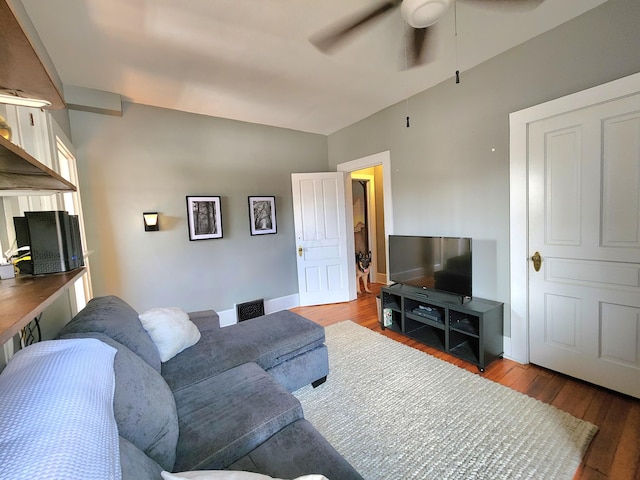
(170, 329)
(205, 320)
(307, 451)
(226, 416)
(135, 465)
(143, 406)
(269, 340)
(56, 412)
(115, 318)
(303, 369)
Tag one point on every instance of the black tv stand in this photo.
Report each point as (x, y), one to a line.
(471, 330)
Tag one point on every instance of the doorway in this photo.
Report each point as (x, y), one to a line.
(375, 172)
(365, 231)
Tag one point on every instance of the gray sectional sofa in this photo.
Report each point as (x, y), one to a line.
(223, 403)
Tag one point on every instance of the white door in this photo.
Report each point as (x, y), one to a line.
(584, 220)
(323, 223)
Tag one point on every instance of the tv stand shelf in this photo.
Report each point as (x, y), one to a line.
(472, 331)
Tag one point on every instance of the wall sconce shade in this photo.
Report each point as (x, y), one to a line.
(151, 221)
(22, 99)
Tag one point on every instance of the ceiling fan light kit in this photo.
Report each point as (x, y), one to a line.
(424, 13)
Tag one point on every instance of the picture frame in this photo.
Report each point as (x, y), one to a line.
(262, 215)
(204, 216)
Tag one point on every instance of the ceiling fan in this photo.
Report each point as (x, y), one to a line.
(419, 15)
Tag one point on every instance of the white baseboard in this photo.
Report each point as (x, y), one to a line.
(230, 317)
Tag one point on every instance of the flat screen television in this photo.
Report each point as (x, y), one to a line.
(437, 263)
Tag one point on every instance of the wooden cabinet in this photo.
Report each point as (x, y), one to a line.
(472, 331)
(31, 131)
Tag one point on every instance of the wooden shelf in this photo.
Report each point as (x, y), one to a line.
(20, 172)
(23, 298)
(21, 65)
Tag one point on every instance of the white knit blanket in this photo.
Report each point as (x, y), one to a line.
(56, 412)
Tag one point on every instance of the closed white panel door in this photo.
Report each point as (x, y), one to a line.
(584, 221)
(323, 243)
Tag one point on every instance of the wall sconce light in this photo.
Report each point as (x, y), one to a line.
(151, 221)
(22, 99)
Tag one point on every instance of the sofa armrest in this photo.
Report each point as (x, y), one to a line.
(205, 320)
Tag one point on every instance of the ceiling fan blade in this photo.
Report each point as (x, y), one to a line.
(329, 38)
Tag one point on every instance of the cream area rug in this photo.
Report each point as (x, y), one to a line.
(397, 413)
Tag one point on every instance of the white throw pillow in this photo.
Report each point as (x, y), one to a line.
(228, 475)
(170, 329)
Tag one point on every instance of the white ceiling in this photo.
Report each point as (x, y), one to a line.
(251, 60)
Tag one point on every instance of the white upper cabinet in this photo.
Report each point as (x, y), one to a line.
(27, 165)
(30, 131)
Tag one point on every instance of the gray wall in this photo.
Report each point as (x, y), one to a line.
(150, 160)
(446, 180)
(62, 119)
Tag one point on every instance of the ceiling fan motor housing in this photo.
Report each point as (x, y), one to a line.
(424, 13)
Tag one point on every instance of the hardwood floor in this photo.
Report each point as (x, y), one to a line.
(614, 452)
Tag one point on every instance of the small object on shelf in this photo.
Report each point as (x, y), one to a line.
(7, 271)
(5, 128)
(387, 317)
(428, 312)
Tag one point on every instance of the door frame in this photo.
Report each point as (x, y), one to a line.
(371, 224)
(383, 159)
(516, 346)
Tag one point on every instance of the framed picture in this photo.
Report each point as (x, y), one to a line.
(205, 218)
(262, 215)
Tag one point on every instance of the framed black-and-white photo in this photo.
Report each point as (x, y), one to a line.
(205, 218)
(262, 215)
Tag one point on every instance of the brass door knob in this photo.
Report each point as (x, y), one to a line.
(537, 261)
(300, 251)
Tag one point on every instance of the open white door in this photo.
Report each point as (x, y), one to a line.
(584, 227)
(323, 224)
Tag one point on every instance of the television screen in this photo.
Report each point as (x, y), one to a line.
(439, 263)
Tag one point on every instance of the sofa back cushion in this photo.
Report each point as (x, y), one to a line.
(144, 407)
(116, 319)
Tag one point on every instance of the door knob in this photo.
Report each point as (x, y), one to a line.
(300, 251)
(537, 261)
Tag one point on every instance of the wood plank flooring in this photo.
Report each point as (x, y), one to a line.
(614, 453)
